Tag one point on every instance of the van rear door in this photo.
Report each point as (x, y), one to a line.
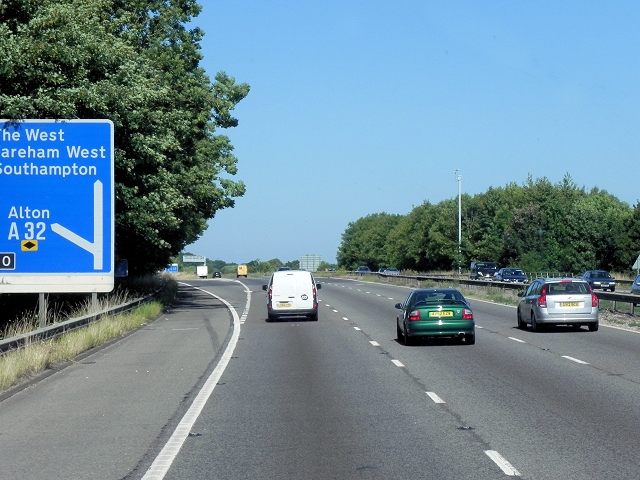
(292, 291)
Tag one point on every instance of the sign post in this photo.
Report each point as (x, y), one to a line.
(56, 206)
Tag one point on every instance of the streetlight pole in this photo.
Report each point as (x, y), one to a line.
(459, 179)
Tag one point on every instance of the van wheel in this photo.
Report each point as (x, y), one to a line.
(271, 318)
(593, 326)
(314, 317)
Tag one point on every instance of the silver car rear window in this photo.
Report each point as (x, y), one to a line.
(568, 288)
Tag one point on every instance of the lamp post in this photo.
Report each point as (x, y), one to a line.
(459, 179)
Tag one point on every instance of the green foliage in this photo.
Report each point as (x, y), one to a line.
(364, 241)
(536, 226)
(136, 64)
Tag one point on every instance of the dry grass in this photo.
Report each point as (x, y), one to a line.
(34, 358)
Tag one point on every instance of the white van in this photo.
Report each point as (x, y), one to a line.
(292, 293)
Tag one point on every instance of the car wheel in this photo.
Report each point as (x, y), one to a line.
(593, 326)
(521, 324)
(534, 324)
(613, 289)
(470, 339)
(399, 335)
(408, 341)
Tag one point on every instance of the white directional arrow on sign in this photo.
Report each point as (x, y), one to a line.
(95, 247)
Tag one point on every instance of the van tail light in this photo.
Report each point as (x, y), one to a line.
(414, 316)
(467, 314)
(594, 299)
(542, 300)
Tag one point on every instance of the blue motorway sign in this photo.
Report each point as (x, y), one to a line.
(56, 206)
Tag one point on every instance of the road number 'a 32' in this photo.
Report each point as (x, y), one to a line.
(34, 231)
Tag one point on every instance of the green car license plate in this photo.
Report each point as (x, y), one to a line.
(441, 314)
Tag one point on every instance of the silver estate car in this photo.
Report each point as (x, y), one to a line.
(558, 301)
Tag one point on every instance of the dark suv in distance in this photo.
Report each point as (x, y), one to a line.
(514, 275)
(600, 279)
(363, 269)
(482, 270)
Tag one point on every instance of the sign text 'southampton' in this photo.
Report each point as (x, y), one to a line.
(56, 206)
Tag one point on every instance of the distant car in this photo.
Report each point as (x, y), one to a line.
(331, 269)
(217, 274)
(363, 269)
(482, 270)
(635, 286)
(435, 312)
(600, 279)
(382, 270)
(391, 271)
(283, 269)
(558, 301)
(514, 275)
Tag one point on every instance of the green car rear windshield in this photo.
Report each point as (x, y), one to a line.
(438, 298)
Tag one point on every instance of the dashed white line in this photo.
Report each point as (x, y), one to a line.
(374, 343)
(345, 319)
(506, 467)
(516, 339)
(357, 328)
(575, 360)
(336, 311)
(397, 363)
(435, 397)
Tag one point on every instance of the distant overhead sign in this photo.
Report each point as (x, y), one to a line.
(636, 266)
(193, 259)
(56, 206)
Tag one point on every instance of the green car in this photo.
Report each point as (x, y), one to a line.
(435, 312)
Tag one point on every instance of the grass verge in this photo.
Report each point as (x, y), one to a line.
(23, 364)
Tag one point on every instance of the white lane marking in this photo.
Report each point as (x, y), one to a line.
(516, 339)
(167, 455)
(378, 295)
(478, 326)
(435, 397)
(336, 311)
(499, 460)
(367, 292)
(328, 305)
(345, 319)
(390, 298)
(397, 363)
(357, 328)
(374, 343)
(575, 360)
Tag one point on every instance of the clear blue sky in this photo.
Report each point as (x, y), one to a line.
(361, 107)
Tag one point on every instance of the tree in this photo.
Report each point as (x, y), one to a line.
(136, 64)
(364, 241)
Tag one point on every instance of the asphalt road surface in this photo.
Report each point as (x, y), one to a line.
(211, 390)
